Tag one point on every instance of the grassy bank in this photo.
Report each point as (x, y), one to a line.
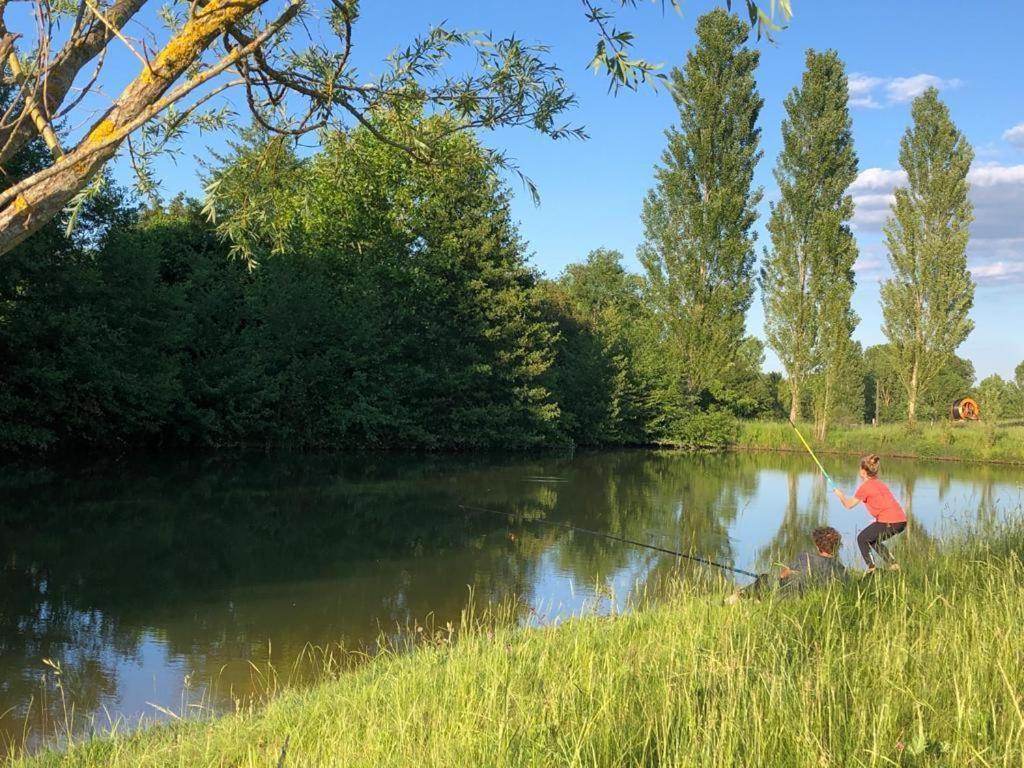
(948, 440)
(914, 669)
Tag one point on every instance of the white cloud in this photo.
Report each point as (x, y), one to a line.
(875, 201)
(1015, 135)
(901, 89)
(872, 265)
(990, 149)
(866, 102)
(993, 175)
(868, 265)
(997, 192)
(861, 87)
(996, 250)
(871, 211)
(870, 91)
(873, 196)
(878, 179)
(999, 270)
(997, 262)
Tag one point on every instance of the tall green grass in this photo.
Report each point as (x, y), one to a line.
(945, 440)
(920, 668)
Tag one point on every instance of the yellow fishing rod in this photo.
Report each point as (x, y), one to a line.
(828, 477)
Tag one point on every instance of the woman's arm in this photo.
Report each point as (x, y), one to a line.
(846, 500)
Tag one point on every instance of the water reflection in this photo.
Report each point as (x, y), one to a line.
(147, 583)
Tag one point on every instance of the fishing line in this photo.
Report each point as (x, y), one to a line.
(610, 537)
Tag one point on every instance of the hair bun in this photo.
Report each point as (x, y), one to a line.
(870, 463)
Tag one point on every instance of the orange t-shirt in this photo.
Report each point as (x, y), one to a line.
(880, 502)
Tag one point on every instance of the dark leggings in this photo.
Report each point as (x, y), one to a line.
(872, 538)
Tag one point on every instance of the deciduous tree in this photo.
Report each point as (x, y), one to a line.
(698, 249)
(807, 275)
(926, 302)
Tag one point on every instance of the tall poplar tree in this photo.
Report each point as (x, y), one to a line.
(925, 304)
(699, 248)
(807, 274)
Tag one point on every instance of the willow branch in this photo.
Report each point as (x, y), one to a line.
(110, 131)
(54, 80)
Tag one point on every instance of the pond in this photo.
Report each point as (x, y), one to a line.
(164, 586)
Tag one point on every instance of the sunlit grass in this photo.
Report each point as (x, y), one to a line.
(920, 668)
(944, 440)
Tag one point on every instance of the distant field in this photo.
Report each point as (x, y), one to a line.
(966, 441)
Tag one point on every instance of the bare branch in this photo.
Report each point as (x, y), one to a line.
(58, 77)
(116, 32)
(85, 90)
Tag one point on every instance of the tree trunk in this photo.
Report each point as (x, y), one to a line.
(821, 418)
(794, 401)
(912, 397)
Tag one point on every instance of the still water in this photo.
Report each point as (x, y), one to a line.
(158, 586)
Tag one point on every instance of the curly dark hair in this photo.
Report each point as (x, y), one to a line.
(827, 539)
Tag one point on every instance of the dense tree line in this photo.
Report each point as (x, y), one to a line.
(360, 298)
(392, 307)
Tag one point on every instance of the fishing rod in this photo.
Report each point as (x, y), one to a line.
(828, 477)
(610, 537)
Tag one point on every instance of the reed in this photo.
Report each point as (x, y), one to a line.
(1003, 443)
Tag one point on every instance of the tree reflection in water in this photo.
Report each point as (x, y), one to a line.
(137, 578)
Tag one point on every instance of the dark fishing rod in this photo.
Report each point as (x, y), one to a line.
(610, 537)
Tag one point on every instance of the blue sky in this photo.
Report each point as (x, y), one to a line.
(592, 191)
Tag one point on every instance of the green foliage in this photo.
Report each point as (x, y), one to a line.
(598, 378)
(389, 305)
(374, 302)
(394, 307)
(745, 390)
(706, 429)
(1017, 393)
(886, 398)
(612, 53)
(807, 276)
(837, 391)
(925, 304)
(996, 398)
(958, 441)
(698, 251)
(86, 354)
(217, 371)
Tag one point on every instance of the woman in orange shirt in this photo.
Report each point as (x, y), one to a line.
(890, 519)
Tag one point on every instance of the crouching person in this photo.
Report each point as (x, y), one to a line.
(811, 568)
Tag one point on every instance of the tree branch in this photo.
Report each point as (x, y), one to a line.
(26, 206)
(51, 86)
